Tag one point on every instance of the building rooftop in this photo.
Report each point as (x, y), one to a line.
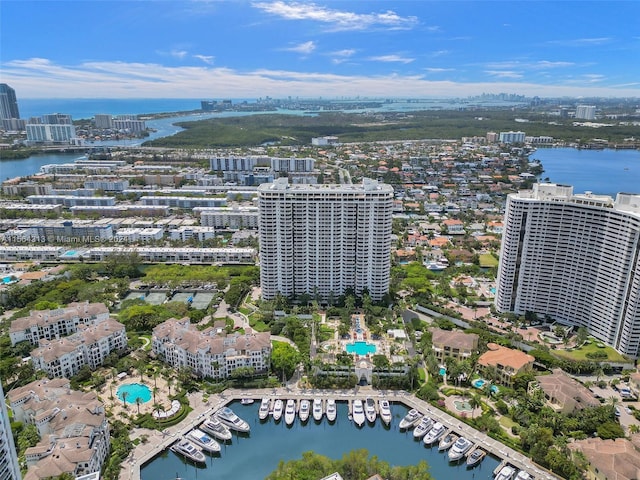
(613, 459)
(506, 357)
(565, 391)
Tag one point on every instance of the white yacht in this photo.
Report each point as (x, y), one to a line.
(203, 440)
(290, 412)
(247, 401)
(189, 451)
(231, 420)
(436, 432)
(458, 449)
(305, 408)
(265, 405)
(423, 427)
(475, 457)
(385, 411)
(214, 427)
(332, 411)
(522, 475)
(505, 473)
(277, 410)
(446, 441)
(410, 419)
(370, 410)
(317, 409)
(358, 413)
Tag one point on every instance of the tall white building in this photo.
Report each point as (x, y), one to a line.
(576, 258)
(9, 468)
(48, 132)
(325, 239)
(586, 112)
(512, 137)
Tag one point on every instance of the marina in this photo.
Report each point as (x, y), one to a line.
(335, 439)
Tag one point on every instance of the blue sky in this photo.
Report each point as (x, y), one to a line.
(250, 49)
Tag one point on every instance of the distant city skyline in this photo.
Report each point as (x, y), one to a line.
(250, 49)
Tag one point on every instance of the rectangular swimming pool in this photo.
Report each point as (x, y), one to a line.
(361, 348)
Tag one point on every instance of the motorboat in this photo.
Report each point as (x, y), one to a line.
(459, 448)
(475, 457)
(317, 409)
(423, 427)
(358, 413)
(265, 404)
(277, 410)
(522, 475)
(231, 420)
(385, 411)
(332, 411)
(188, 450)
(305, 408)
(446, 441)
(410, 419)
(506, 473)
(290, 412)
(247, 401)
(433, 435)
(214, 427)
(203, 440)
(436, 266)
(370, 410)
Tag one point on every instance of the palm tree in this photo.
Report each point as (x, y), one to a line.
(634, 428)
(154, 391)
(138, 402)
(474, 402)
(124, 398)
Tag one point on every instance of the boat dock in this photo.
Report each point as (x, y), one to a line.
(159, 441)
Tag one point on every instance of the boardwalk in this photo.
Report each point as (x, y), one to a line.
(159, 441)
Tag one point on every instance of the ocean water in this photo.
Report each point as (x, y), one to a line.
(255, 456)
(604, 172)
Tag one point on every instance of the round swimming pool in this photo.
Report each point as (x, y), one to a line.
(134, 391)
(361, 348)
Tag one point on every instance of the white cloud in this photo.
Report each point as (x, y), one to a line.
(41, 78)
(582, 42)
(341, 56)
(337, 19)
(305, 48)
(503, 74)
(391, 58)
(439, 70)
(178, 53)
(208, 59)
(532, 65)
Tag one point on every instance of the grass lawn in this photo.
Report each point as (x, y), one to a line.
(487, 260)
(581, 353)
(506, 422)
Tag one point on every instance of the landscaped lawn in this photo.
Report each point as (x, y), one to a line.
(487, 260)
(581, 353)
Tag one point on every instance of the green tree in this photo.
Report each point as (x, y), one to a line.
(284, 359)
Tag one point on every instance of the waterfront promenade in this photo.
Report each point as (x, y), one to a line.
(159, 441)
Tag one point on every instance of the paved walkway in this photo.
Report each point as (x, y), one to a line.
(159, 441)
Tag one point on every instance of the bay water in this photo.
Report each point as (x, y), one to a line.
(255, 456)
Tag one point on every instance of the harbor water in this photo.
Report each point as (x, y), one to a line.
(256, 455)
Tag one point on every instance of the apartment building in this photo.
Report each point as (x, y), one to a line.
(53, 324)
(229, 217)
(506, 362)
(90, 345)
(575, 258)
(453, 344)
(71, 200)
(211, 352)
(73, 428)
(178, 255)
(184, 202)
(325, 239)
(9, 467)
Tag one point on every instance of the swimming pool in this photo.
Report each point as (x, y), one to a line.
(134, 391)
(479, 383)
(361, 348)
(69, 253)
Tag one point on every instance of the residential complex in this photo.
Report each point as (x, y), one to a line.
(211, 352)
(53, 324)
(73, 428)
(90, 345)
(325, 239)
(575, 258)
(586, 112)
(9, 468)
(8, 102)
(506, 362)
(453, 344)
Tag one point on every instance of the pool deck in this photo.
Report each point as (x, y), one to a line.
(159, 441)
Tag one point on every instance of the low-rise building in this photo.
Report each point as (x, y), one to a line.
(52, 324)
(211, 352)
(609, 459)
(453, 344)
(73, 428)
(507, 362)
(563, 393)
(90, 345)
(228, 217)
